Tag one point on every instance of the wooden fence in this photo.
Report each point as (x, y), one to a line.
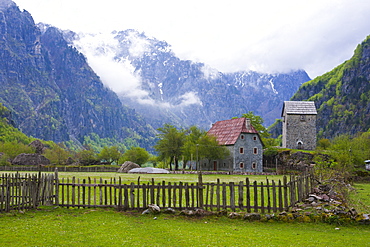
(27, 191)
(244, 196)
(269, 196)
(61, 169)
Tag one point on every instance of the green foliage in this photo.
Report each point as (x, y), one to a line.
(323, 144)
(210, 149)
(10, 134)
(137, 155)
(188, 144)
(87, 157)
(344, 154)
(193, 134)
(12, 149)
(257, 123)
(57, 154)
(109, 154)
(170, 143)
(270, 142)
(94, 141)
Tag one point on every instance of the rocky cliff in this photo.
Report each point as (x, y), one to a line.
(182, 92)
(50, 89)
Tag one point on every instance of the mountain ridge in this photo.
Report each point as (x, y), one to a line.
(182, 91)
(51, 90)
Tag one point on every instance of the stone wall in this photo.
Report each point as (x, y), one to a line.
(299, 132)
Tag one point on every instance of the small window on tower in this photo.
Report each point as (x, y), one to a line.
(255, 150)
(241, 150)
(254, 165)
(242, 137)
(241, 165)
(254, 138)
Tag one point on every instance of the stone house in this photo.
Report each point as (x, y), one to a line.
(243, 142)
(299, 125)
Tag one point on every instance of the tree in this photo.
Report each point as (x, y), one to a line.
(57, 154)
(192, 136)
(87, 157)
(110, 154)
(324, 143)
(170, 143)
(199, 145)
(137, 155)
(257, 123)
(209, 149)
(13, 148)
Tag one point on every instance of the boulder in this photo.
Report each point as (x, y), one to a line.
(252, 216)
(127, 166)
(31, 160)
(38, 145)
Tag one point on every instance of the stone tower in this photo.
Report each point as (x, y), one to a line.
(299, 125)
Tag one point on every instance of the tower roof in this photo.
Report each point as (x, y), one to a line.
(299, 108)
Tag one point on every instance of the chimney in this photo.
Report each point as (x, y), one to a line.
(248, 123)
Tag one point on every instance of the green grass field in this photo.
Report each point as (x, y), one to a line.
(190, 178)
(90, 227)
(56, 226)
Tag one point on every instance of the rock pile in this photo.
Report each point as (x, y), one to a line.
(127, 166)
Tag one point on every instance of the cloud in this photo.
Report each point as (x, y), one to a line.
(233, 35)
(100, 50)
(118, 74)
(210, 73)
(190, 98)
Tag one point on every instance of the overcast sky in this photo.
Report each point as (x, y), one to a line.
(229, 35)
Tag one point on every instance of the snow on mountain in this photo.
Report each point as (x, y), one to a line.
(148, 77)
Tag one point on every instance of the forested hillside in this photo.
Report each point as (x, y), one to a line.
(342, 96)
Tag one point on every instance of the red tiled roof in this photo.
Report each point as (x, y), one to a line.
(228, 131)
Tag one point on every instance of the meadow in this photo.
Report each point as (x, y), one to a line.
(57, 226)
(99, 227)
(186, 178)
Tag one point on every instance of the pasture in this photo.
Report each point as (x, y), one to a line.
(186, 178)
(103, 227)
(58, 226)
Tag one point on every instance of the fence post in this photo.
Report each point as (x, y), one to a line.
(200, 189)
(285, 184)
(56, 184)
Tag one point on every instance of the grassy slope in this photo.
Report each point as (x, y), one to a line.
(360, 198)
(73, 227)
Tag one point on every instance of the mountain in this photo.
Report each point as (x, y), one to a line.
(166, 89)
(51, 90)
(342, 96)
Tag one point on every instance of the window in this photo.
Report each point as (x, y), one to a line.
(254, 165)
(242, 137)
(241, 150)
(255, 150)
(241, 165)
(254, 138)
